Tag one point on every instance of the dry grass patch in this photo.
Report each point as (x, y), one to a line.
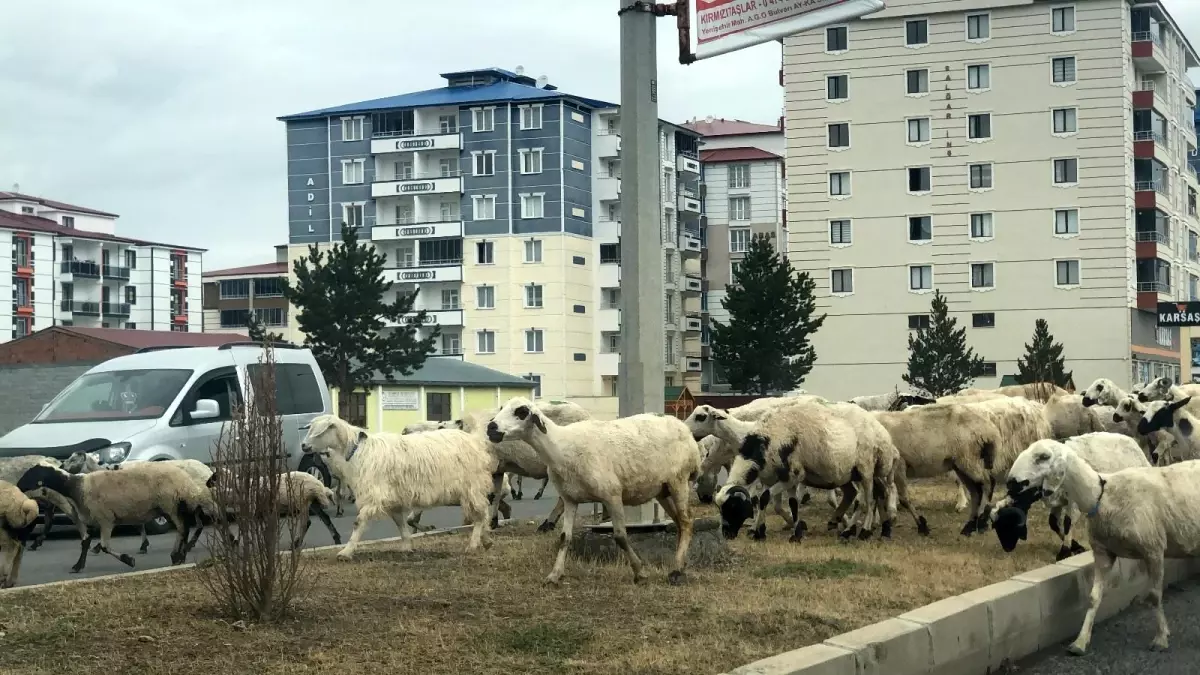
(440, 611)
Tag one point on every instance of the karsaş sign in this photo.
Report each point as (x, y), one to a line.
(1179, 313)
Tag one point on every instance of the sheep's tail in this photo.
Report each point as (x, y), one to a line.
(988, 454)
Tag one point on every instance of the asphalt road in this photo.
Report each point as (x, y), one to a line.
(53, 561)
(1120, 646)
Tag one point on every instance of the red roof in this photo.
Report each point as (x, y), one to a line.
(250, 270)
(51, 204)
(723, 127)
(20, 221)
(736, 155)
(137, 339)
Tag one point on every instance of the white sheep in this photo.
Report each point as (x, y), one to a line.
(421, 427)
(135, 494)
(300, 495)
(1147, 514)
(18, 515)
(1103, 392)
(895, 401)
(1021, 422)
(623, 462)
(1034, 391)
(1158, 445)
(1177, 418)
(395, 474)
(1069, 416)
(1104, 452)
(1164, 388)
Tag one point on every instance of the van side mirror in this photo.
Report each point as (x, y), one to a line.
(206, 409)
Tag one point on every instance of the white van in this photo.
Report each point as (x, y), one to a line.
(170, 403)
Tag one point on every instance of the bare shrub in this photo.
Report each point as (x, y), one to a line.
(249, 576)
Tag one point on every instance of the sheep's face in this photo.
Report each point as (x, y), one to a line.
(518, 419)
(1037, 473)
(328, 437)
(703, 421)
(1010, 526)
(1128, 410)
(737, 506)
(1161, 415)
(1102, 392)
(1157, 389)
(41, 478)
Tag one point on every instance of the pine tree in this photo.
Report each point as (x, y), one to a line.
(341, 298)
(939, 360)
(1043, 360)
(765, 347)
(258, 332)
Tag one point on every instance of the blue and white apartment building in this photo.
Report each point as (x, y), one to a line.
(497, 197)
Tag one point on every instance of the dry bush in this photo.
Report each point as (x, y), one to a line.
(249, 576)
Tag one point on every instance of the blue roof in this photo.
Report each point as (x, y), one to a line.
(510, 87)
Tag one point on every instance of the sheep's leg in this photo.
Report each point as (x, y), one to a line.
(1154, 569)
(1056, 526)
(964, 498)
(759, 531)
(184, 519)
(866, 520)
(617, 511)
(145, 542)
(494, 498)
(321, 513)
(904, 503)
(556, 513)
(85, 541)
(360, 526)
(976, 490)
(477, 512)
(505, 510)
(400, 517)
(514, 484)
(777, 500)
(14, 564)
(849, 492)
(681, 514)
(1104, 563)
(106, 538)
(37, 543)
(564, 540)
(542, 489)
(298, 540)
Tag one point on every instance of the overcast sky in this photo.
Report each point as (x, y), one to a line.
(164, 112)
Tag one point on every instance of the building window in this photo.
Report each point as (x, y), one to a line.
(485, 297)
(271, 287)
(533, 341)
(917, 81)
(451, 344)
(533, 296)
(1066, 221)
(352, 128)
(979, 77)
(739, 239)
(920, 228)
(837, 87)
(483, 119)
(270, 316)
(352, 215)
(21, 292)
(1063, 69)
(1066, 171)
(450, 299)
(981, 176)
(531, 117)
(610, 343)
(484, 207)
(839, 232)
(839, 184)
(988, 369)
(983, 275)
(234, 289)
(610, 298)
(739, 208)
(21, 326)
(448, 124)
(533, 251)
(739, 176)
(68, 222)
(533, 206)
(735, 266)
(131, 259)
(537, 383)
(837, 39)
(979, 127)
(983, 320)
(484, 253)
(978, 27)
(918, 130)
(981, 226)
(484, 163)
(610, 253)
(919, 179)
(1062, 20)
(531, 160)
(918, 321)
(131, 294)
(1064, 121)
(839, 135)
(841, 281)
(916, 32)
(353, 171)
(920, 277)
(485, 342)
(1066, 272)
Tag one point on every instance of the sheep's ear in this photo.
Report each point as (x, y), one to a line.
(537, 422)
(1185, 427)
(362, 436)
(720, 414)
(458, 424)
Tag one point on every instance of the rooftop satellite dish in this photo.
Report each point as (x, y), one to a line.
(541, 81)
(709, 119)
(16, 187)
(520, 70)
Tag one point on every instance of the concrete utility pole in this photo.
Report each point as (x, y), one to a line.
(640, 375)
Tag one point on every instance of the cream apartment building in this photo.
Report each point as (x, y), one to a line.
(1025, 158)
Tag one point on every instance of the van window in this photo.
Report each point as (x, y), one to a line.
(296, 388)
(117, 395)
(220, 385)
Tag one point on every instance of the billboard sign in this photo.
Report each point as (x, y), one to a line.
(722, 26)
(1172, 314)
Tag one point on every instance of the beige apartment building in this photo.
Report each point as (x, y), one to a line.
(1025, 158)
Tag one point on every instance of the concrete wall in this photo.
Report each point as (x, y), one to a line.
(25, 388)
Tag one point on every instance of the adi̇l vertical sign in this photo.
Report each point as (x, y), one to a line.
(721, 26)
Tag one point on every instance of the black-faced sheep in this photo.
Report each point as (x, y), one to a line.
(1163, 388)
(300, 495)
(1159, 446)
(623, 462)
(18, 515)
(1177, 418)
(395, 474)
(1147, 514)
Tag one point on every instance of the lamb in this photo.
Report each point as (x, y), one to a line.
(136, 493)
(1104, 452)
(299, 494)
(1147, 513)
(395, 474)
(1176, 418)
(1163, 388)
(1103, 392)
(823, 445)
(623, 462)
(18, 515)
(1158, 445)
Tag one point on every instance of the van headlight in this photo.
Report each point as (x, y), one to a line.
(115, 453)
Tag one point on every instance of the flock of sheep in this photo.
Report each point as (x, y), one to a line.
(1083, 455)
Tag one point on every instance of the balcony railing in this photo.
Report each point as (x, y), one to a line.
(82, 268)
(688, 192)
(1154, 235)
(80, 307)
(1148, 36)
(1159, 186)
(1145, 85)
(423, 175)
(426, 220)
(116, 308)
(431, 262)
(112, 272)
(1154, 287)
(690, 153)
(424, 131)
(1150, 136)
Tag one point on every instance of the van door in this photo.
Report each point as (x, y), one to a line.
(299, 401)
(197, 439)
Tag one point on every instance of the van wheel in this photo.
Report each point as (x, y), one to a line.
(159, 525)
(316, 469)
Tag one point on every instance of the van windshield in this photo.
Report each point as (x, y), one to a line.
(117, 395)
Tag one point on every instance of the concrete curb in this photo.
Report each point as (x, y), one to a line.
(185, 566)
(978, 632)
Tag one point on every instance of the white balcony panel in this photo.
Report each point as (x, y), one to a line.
(608, 189)
(608, 364)
(411, 275)
(608, 320)
(687, 164)
(416, 186)
(437, 230)
(443, 317)
(383, 146)
(608, 276)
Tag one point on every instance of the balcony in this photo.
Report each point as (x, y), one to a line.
(1149, 145)
(1148, 53)
(687, 162)
(607, 143)
(433, 317)
(693, 324)
(692, 284)
(426, 272)
(608, 188)
(689, 244)
(456, 355)
(115, 308)
(419, 229)
(85, 308)
(410, 141)
(1148, 242)
(607, 231)
(81, 268)
(608, 320)
(436, 182)
(608, 363)
(1146, 193)
(113, 272)
(689, 203)
(1146, 96)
